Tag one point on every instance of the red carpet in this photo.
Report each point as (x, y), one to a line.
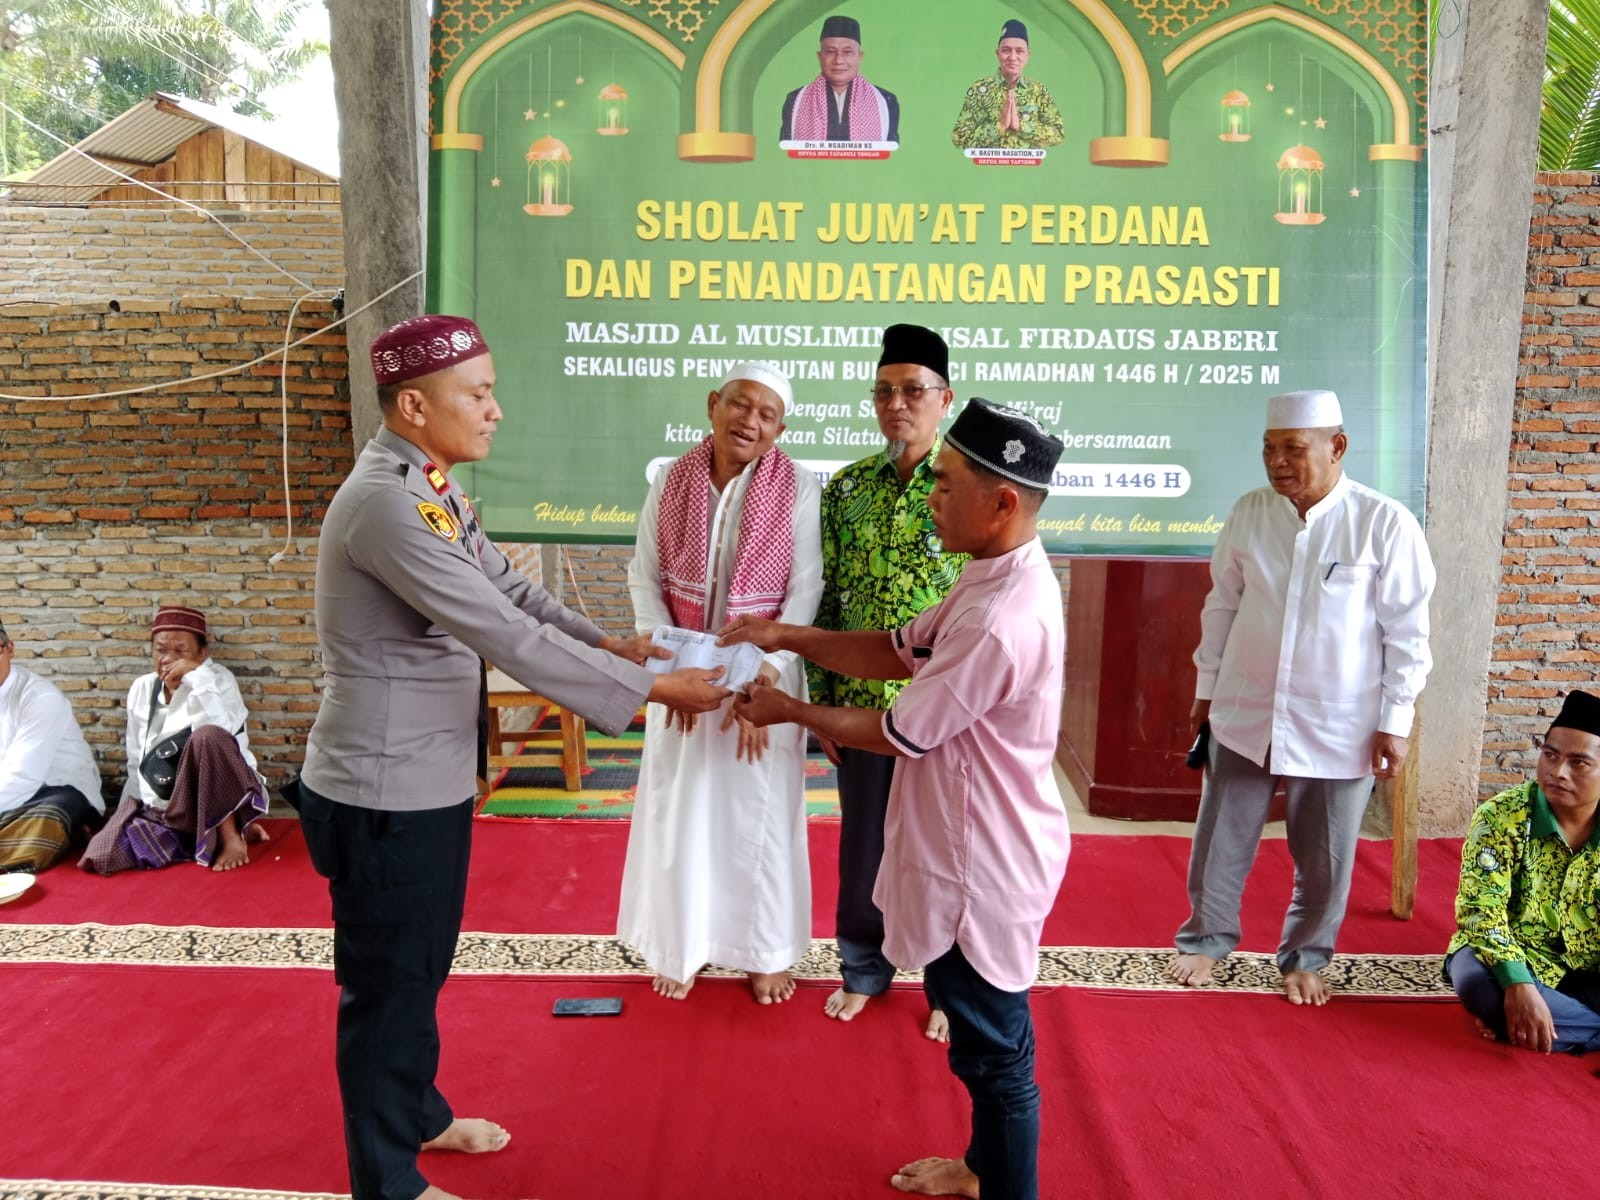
(224, 1078)
(564, 876)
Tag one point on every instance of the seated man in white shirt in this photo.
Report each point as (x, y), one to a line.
(49, 785)
(193, 790)
(717, 870)
(1313, 650)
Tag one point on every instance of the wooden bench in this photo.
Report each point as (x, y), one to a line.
(562, 745)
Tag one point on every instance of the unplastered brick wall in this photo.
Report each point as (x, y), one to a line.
(112, 506)
(1548, 639)
(59, 254)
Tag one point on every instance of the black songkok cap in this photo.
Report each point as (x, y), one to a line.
(1014, 29)
(845, 27)
(917, 345)
(1008, 442)
(1581, 711)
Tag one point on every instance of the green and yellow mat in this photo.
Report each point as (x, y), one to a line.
(611, 780)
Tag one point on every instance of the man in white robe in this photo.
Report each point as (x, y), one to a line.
(1313, 650)
(717, 871)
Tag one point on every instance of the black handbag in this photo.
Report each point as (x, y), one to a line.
(159, 766)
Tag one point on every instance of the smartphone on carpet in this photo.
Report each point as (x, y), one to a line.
(589, 1006)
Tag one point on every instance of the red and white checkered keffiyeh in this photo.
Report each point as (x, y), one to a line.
(810, 120)
(766, 538)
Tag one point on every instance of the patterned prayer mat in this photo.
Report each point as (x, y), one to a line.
(611, 781)
(1388, 976)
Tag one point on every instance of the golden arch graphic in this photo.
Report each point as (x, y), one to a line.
(450, 135)
(1402, 148)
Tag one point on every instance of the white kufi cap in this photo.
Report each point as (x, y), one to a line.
(764, 373)
(1304, 410)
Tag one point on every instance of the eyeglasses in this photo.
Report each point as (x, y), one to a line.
(913, 392)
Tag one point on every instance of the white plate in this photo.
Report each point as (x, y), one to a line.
(12, 886)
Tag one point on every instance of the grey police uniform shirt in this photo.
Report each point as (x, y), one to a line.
(410, 594)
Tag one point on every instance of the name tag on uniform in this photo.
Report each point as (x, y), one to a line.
(439, 521)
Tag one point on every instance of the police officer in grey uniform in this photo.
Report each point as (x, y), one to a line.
(411, 599)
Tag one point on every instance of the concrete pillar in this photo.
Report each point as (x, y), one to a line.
(380, 88)
(1488, 68)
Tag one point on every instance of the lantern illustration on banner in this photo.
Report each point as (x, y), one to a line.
(1235, 117)
(549, 178)
(1300, 187)
(613, 110)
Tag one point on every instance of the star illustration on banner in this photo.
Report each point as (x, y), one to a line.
(495, 182)
(1270, 88)
(1322, 122)
(1355, 191)
(529, 114)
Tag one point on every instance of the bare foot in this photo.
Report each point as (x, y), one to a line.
(434, 1193)
(771, 987)
(843, 1005)
(937, 1177)
(1483, 1029)
(470, 1135)
(1306, 987)
(1191, 970)
(938, 1029)
(254, 833)
(671, 988)
(231, 851)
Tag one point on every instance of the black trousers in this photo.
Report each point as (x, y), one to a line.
(864, 781)
(398, 881)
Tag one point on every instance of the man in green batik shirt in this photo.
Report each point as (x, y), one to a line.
(1525, 959)
(882, 564)
(1004, 110)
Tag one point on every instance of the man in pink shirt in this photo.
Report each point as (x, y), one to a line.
(975, 845)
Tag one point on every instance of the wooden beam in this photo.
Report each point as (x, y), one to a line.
(1404, 808)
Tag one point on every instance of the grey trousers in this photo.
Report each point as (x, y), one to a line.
(1324, 820)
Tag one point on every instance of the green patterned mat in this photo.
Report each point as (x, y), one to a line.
(611, 780)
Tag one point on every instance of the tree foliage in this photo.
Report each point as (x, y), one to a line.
(1569, 119)
(72, 65)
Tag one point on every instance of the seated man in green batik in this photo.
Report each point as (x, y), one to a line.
(1525, 959)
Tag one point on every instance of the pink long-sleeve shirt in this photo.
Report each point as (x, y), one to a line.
(976, 841)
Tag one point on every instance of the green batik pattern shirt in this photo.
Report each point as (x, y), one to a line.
(1527, 902)
(978, 126)
(882, 564)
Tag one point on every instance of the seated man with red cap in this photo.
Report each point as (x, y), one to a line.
(1525, 958)
(193, 789)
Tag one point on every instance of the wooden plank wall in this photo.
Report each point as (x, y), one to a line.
(216, 165)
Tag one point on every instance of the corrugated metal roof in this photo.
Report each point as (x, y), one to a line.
(147, 134)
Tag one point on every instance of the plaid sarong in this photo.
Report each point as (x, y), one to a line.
(213, 783)
(41, 831)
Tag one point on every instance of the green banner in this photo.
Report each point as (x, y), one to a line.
(1167, 213)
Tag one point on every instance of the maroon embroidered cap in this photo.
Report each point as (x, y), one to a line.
(177, 617)
(422, 345)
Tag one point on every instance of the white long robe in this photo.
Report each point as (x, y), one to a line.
(717, 871)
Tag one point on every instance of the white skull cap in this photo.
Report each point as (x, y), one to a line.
(1314, 409)
(764, 373)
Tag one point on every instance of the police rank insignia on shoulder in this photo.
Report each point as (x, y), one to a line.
(436, 479)
(436, 519)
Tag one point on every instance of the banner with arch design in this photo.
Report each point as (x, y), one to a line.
(1169, 211)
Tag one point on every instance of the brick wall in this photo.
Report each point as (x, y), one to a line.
(1548, 640)
(109, 507)
(55, 255)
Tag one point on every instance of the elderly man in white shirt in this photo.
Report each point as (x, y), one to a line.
(1313, 650)
(717, 870)
(49, 784)
(193, 791)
